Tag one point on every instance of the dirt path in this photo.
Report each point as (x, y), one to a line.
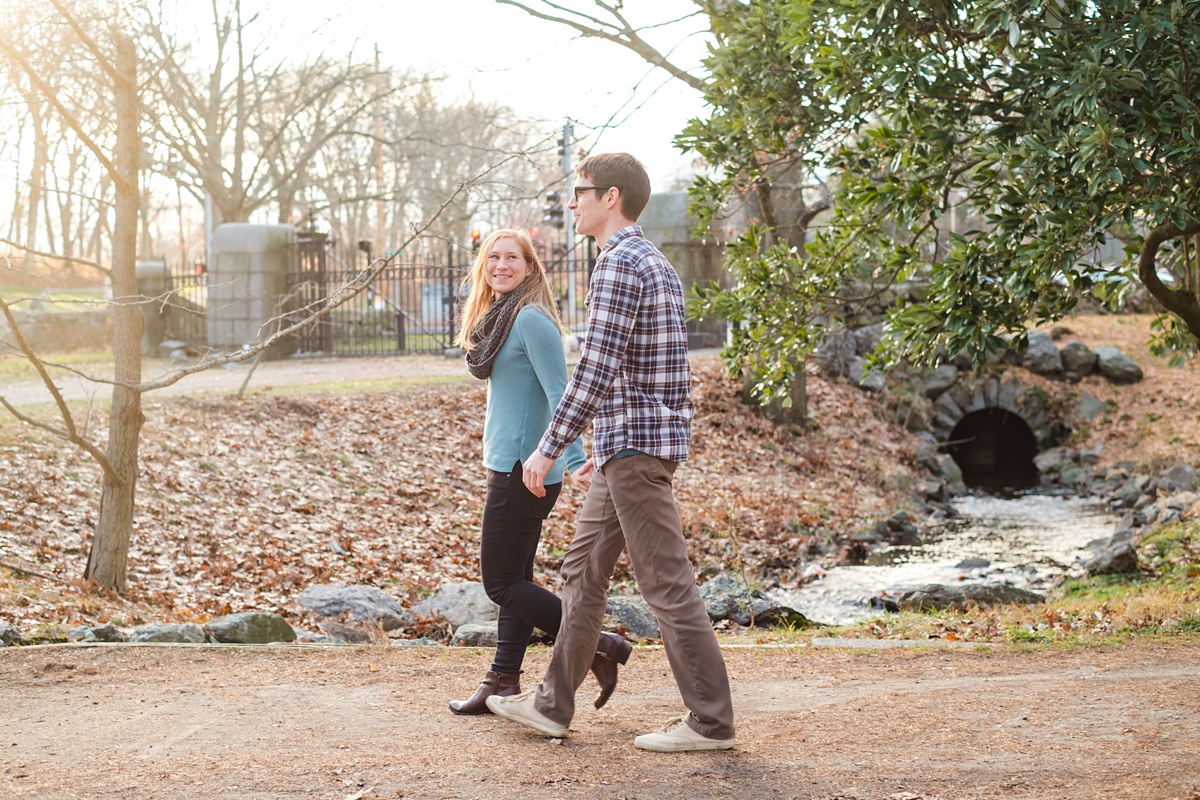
(371, 722)
(267, 375)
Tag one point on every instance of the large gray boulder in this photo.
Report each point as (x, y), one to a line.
(101, 633)
(869, 379)
(1088, 408)
(463, 603)
(335, 632)
(835, 353)
(1129, 492)
(1181, 478)
(631, 615)
(1078, 360)
(953, 475)
(251, 627)
(1041, 357)
(867, 338)
(939, 380)
(1053, 460)
(936, 597)
(170, 633)
(724, 598)
(471, 635)
(364, 604)
(1116, 366)
(1118, 558)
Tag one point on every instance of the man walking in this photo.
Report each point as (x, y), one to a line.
(633, 384)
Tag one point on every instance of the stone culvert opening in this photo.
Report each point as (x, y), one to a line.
(995, 449)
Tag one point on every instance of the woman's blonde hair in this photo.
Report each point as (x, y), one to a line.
(480, 295)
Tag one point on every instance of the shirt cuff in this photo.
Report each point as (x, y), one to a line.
(547, 448)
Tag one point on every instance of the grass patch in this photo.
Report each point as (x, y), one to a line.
(364, 385)
(15, 367)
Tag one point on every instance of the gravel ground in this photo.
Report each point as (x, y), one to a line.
(350, 723)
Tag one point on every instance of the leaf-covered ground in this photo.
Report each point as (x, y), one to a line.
(243, 504)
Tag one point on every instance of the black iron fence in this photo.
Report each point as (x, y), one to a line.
(186, 310)
(410, 307)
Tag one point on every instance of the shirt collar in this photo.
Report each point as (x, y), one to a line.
(623, 233)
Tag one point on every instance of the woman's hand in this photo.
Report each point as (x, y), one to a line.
(534, 473)
(583, 476)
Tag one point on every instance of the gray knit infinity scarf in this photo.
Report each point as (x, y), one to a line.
(489, 335)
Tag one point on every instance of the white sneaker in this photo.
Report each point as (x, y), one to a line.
(519, 708)
(677, 737)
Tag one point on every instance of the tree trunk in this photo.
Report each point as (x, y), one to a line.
(110, 547)
(37, 172)
(1181, 302)
(793, 413)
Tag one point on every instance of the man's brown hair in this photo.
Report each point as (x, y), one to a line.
(622, 171)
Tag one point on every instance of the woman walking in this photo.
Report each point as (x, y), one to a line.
(512, 335)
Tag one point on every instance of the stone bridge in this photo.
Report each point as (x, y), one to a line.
(985, 428)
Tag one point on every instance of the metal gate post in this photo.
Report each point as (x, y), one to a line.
(450, 291)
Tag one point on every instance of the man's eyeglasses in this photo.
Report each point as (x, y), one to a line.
(579, 190)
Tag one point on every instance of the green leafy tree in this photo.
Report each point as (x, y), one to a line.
(759, 107)
(769, 134)
(1016, 156)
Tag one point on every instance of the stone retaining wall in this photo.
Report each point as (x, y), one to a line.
(59, 331)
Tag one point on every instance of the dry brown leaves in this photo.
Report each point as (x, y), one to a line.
(244, 504)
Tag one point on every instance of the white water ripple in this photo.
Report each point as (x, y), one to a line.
(1028, 541)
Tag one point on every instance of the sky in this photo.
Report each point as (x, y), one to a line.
(541, 69)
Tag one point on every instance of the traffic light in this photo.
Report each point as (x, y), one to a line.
(553, 209)
(474, 242)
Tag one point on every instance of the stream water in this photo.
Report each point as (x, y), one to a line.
(1027, 541)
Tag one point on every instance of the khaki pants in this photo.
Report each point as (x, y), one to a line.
(631, 503)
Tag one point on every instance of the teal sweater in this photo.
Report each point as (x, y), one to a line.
(528, 377)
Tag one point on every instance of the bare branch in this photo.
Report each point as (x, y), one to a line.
(32, 572)
(68, 431)
(52, 97)
(88, 41)
(618, 31)
(56, 256)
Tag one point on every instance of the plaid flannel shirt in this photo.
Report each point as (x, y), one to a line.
(633, 381)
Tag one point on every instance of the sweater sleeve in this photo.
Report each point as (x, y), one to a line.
(543, 345)
(614, 297)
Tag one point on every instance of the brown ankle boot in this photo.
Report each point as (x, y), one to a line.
(493, 683)
(611, 650)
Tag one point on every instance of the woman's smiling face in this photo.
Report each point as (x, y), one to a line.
(506, 266)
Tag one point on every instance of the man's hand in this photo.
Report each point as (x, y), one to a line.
(583, 476)
(534, 473)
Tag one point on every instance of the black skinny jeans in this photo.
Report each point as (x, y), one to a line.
(512, 527)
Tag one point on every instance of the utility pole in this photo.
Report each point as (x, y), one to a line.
(208, 228)
(380, 211)
(568, 133)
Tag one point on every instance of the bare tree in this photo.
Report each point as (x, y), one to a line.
(241, 127)
(111, 50)
(115, 144)
(607, 21)
(414, 157)
(58, 194)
